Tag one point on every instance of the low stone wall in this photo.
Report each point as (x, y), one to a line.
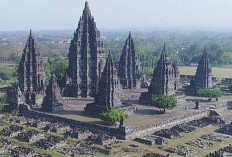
(123, 132)
(151, 128)
(145, 141)
(96, 128)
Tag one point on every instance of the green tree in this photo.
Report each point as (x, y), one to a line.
(164, 102)
(48, 70)
(3, 101)
(210, 93)
(59, 68)
(113, 115)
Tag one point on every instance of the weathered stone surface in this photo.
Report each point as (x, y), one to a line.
(109, 90)
(198, 123)
(101, 139)
(168, 133)
(203, 77)
(77, 133)
(52, 102)
(8, 145)
(154, 155)
(215, 137)
(42, 155)
(200, 143)
(76, 150)
(165, 80)
(22, 152)
(50, 143)
(12, 130)
(31, 73)
(183, 128)
(86, 58)
(30, 136)
(20, 120)
(145, 141)
(182, 150)
(38, 123)
(226, 129)
(129, 66)
(57, 127)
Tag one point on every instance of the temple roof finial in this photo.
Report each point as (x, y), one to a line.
(164, 49)
(30, 33)
(129, 34)
(86, 10)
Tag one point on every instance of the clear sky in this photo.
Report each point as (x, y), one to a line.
(116, 14)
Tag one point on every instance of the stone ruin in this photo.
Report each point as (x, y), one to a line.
(203, 77)
(30, 136)
(57, 127)
(226, 129)
(51, 143)
(86, 58)
(77, 133)
(8, 145)
(11, 131)
(155, 155)
(215, 137)
(38, 123)
(20, 119)
(42, 155)
(183, 128)
(199, 143)
(182, 150)
(198, 123)
(168, 133)
(76, 150)
(129, 66)
(109, 91)
(52, 102)
(31, 76)
(220, 152)
(101, 139)
(165, 79)
(22, 152)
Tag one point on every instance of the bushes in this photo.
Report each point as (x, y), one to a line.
(164, 102)
(3, 100)
(210, 93)
(113, 115)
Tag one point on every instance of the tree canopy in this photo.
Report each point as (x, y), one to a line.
(210, 93)
(113, 115)
(164, 102)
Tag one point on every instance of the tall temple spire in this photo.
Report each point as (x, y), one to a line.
(165, 76)
(109, 90)
(31, 74)
(203, 77)
(129, 65)
(86, 58)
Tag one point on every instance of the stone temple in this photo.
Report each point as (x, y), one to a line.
(203, 77)
(52, 102)
(31, 73)
(165, 79)
(86, 58)
(129, 66)
(109, 90)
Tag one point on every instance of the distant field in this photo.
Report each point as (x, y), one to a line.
(217, 71)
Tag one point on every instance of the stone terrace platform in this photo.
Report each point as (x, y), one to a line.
(74, 109)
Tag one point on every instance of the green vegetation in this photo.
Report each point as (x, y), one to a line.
(8, 76)
(113, 115)
(164, 102)
(3, 100)
(210, 93)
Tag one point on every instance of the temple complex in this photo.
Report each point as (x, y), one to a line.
(86, 58)
(203, 77)
(165, 79)
(52, 102)
(109, 90)
(31, 73)
(129, 66)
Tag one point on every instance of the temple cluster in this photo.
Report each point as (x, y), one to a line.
(92, 74)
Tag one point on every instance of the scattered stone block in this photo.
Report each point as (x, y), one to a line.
(183, 128)
(215, 137)
(20, 120)
(8, 145)
(57, 127)
(182, 150)
(145, 141)
(155, 155)
(30, 136)
(226, 129)
(200, 143)
(168, 133)
(77, 133)
(22, 152)
(38, 123)
(76, 150)
(51, 143)
(12, 130)
(159, 141)
(101, 139)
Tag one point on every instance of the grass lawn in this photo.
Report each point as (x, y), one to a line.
(217, 71)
